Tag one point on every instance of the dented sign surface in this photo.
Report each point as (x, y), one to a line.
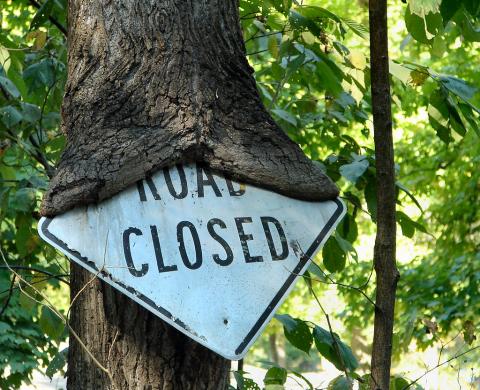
(212, 257)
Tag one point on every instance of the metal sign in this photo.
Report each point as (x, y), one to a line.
(212, 257)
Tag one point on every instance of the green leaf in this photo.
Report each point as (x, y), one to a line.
(341, 383)
(467, 113)
(30, 112)
(296, 331)
(24, 199)
(10, 87)
(458, 86)
(334, 258)
(51, 324)
(472, 6)
(285, 115)
(469, 31)
(424, 7)
(244, 383)
(424, 27)
(353, 171)
(346, 246)
(409, 194)
(358, 28)
(282, 6)
(40, 74)
(275, 376)
(334, 350)
(398, 383)
(10, 116)
(273, 45)
(42, 15)
(300, 22)
(408, 225)
(438, 115)
(58, 363)
(448, 8)
(469, 332)
(316, 271)
(400, 72)
(294, 64)
(300, 376)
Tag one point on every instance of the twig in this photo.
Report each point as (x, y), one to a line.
(335, 343)
(332, 282)
(35, 282)
(40, 157)
(440, 365)
(54, 21)
(34, 269)
(59, 315)
(257, 52)
(10, 292)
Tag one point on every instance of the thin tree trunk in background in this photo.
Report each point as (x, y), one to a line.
(272, 340)
(384, 254)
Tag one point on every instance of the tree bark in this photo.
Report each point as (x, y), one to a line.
(154, 83)
(138, 349)
(150, 84)
(385, 245)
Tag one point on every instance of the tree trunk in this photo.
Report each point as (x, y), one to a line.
(384, 252)
(139, 350)
(152, 83)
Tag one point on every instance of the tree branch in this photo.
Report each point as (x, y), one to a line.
(440, 365)
(38, 270)
(10, 292)
(54, 21)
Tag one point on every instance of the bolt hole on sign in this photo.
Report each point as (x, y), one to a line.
(212, 257)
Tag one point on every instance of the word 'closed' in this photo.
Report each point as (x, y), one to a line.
(190, 248)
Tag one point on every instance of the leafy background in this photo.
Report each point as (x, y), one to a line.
(311, 61)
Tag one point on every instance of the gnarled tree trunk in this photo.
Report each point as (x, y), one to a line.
(152, 83)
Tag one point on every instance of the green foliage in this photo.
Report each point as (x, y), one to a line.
(328, 344)
(296, 331)
(334, 350)
(312, 70)
(32, 74)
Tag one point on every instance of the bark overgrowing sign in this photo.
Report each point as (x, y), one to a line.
(212, 257)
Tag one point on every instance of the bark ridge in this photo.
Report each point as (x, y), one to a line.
(154, 83)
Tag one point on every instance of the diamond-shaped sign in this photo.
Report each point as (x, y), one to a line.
(212, 257)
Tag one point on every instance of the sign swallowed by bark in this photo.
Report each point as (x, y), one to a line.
(212, 257)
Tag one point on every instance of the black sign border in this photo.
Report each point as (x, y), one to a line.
(260, 322)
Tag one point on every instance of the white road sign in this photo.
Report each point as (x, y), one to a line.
(212, 257)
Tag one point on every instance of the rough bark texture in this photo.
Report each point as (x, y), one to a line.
(384, 252)
(152, 83)
(139, 350)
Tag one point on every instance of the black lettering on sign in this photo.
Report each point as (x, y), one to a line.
(244, 238)
(228, 251)
(232, 190)
(141, 191)
(196, 242)
(208, 181)
(183, 182)
(151, 185)
(158, 252)
(268, 236)
(128, 253)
